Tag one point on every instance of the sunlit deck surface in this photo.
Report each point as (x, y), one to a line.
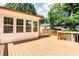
(48, 46)
(2, 47)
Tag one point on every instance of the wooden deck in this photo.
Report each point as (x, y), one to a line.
(48, 46)
(2, 47)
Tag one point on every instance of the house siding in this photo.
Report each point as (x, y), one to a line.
(11, 37)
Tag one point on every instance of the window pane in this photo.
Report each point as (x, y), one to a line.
(28, 25)
(28, 22)
(28, 29)
(34, 23)
(8, 20)
(35, 29)
(8, 25)
(8, 29)
(19, 21)
(19, 24)
(19, 28)
(35, 26)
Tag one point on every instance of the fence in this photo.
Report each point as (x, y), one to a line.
(70, 36)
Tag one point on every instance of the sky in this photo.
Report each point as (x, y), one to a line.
(41, 8)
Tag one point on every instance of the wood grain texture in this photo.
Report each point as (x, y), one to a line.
(48, 46)
(2, 50)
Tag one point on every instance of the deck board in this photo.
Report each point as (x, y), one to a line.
(44, 46)
(2, 50)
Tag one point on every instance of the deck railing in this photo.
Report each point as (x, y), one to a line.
(70, 36)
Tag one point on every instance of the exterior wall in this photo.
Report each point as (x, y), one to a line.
(17, 37)
(10, 37)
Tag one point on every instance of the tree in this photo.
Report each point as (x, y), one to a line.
(44, 20)
(71, 8)
(64, 15)
(24, 7)
(55, 15)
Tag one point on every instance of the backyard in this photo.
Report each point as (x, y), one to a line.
(44, 46)
(60, 17)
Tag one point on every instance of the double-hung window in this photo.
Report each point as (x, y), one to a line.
(19, 25)
(8, 25)
(28, 25)
(35, 26)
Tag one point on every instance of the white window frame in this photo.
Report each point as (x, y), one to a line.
(7, 25)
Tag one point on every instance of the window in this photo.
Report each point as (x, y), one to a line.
(8, 25)
(35, 26)
(28, 25)
(19, 25)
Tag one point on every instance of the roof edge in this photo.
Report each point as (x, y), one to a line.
(1, 7)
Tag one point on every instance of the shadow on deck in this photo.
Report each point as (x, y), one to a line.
(23, 41)
(5, 50)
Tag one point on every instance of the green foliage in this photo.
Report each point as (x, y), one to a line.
(71, 8)
(44, 20)
(55, 15)
(66, 15)
(24, 7)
